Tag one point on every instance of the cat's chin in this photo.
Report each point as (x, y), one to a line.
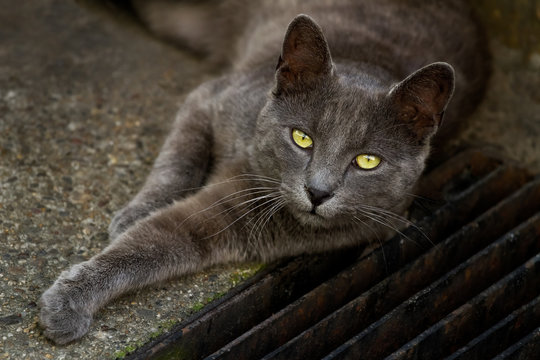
(315, 220)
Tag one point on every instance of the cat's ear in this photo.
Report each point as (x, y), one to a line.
(305, 56)
(421, 99)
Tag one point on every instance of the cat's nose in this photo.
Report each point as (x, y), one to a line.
(318, 196)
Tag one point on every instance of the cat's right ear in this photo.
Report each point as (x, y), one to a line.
(421, 99)
(305, 57)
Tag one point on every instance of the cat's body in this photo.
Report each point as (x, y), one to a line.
(264, 163)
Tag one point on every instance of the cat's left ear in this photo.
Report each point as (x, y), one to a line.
(421, 99)
(305, 57)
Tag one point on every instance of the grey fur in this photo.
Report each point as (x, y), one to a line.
(230, 184)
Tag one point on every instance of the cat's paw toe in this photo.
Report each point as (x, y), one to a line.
(62, 323)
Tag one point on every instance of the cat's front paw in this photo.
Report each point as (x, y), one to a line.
(60, 316)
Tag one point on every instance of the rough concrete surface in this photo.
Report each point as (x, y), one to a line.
(85, 103)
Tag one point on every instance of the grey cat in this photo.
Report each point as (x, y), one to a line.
(321, 152)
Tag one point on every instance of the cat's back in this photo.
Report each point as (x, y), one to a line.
(364, 30)
(246, 32)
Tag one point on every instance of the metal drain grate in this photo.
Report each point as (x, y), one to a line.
(467, 286)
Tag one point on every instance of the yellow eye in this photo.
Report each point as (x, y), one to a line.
(301, 139)
(367, 162)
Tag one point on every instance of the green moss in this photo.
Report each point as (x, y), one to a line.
(216, 296)
(235, 278)
(243, 274)
(198, 306)
(163, 327)
(128, 349)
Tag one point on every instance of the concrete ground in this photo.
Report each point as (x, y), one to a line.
(85, 103)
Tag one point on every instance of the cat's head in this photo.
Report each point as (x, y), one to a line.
(343, 141)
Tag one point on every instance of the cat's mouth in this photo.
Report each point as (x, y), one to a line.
(310, 214)
(315, 218)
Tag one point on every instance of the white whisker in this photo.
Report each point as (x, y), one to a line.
(265, 216)
(237, 178)
(383, 221)
(378, 239)
(388, 213)
(227, 211)
(239, 218)
(231, 197)
(258, 225)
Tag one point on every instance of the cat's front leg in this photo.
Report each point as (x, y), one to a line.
(67, 307)
(183, 238)
(143, 255)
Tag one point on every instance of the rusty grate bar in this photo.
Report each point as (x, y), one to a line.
(525, 349)
(457, 172)
(374, 342)
(502, 335)
(481, 312)
(406, 299)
